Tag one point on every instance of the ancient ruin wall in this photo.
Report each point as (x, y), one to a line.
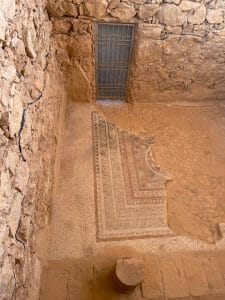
(31, 105)
(179, 47)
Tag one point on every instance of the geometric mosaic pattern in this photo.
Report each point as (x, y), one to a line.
(130, 191)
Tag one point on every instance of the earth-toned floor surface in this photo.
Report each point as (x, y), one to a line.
(110, 202)
(190, 147)
(184, 276)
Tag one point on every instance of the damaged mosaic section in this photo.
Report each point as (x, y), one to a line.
(130, 188)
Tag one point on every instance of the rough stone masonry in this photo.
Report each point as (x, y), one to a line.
(179, 55)
(29, 122)
(178, 50)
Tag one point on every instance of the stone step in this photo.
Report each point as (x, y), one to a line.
(177, 276)
(184, 276)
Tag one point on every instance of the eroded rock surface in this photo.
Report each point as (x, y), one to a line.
(29, 115)
(123, 11)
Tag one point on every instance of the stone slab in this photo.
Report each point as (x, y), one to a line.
(174, 280)
(152, 285)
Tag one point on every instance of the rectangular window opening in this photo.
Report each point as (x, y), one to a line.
(114, 44)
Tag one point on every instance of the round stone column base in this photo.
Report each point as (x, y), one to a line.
(128, 274)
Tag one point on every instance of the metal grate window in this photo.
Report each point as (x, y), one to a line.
(114, 48)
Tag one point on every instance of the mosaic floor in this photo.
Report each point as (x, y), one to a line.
(130, 189)
(123, 197)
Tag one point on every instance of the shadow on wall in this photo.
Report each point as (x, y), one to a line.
(74, 54)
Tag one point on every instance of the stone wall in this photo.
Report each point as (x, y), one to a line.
(179, 53)
(31, 105)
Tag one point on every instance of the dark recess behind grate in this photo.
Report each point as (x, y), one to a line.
(114, 44)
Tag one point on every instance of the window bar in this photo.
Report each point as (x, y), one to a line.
(113, 46)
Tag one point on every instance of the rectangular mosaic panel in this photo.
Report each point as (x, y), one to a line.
(130, 190)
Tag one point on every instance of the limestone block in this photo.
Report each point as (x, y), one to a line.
(8, 73)
(123, 11)
(214, 16)
(150, 31)
(113, 4)
(81, 10)
(96, 8)
(61, 26)
(4, 232)
(3, 26)
(220, 4)
(29, 45)
(62, 8)
(14, 40)
(7, 279)
(187, 5)
(15, 213)
(146, 11)
(4, 99)
(8, 7)
(4, 126)
(15, 116)
(137, 1)
(198, 16)
(5, 185)
(171, 15)
(69, 9)
(22, 176)
(54, 10)
(13, 160)
(20, 48)
(173, 1)
(35, 93)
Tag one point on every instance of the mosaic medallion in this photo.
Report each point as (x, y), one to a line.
(130, 189)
